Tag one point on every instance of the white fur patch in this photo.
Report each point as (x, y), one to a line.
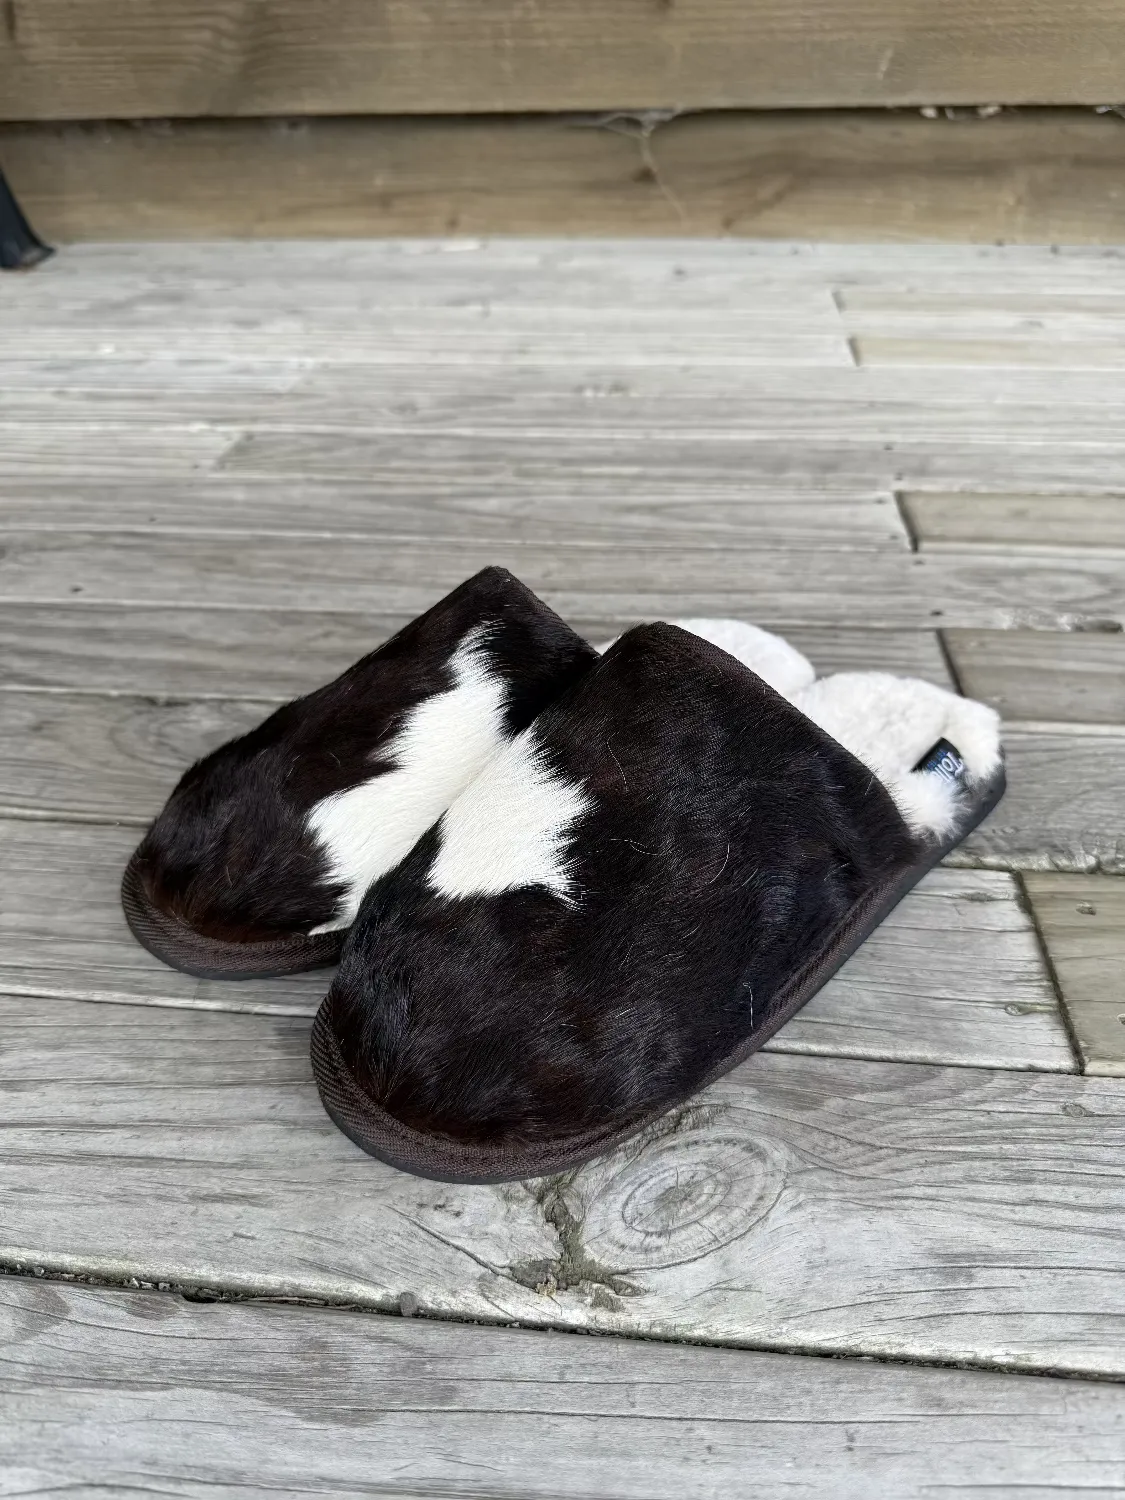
(773, 659)
(442, 744)
(889, 723)
(510, 828)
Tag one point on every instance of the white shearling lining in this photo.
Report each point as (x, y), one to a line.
(773, 659)
(889, 723)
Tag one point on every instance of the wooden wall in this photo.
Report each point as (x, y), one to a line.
(106, 59)
(759, 117)
(1040, 176)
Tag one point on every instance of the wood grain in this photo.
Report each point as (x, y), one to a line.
(1064, 808)
(830, 1205)
(878, 589)
(216, 57)
(317, 1401)
(114, 758)
(995, 352)
(1082, 919)
(955, 976)
(583, 401)
(1038, 176)
(623, 516)
(515, 262)
(1065, 677)
(561, 270)
(272, 655)
(1042, 521)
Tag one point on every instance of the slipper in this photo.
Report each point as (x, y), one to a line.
(631, 898)
(262, 854)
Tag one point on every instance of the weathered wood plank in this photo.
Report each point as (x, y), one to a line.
(805, 1203)
(1088, 353)
(1064, 808)
(1007, 269)
(277, 654)
(113, 758)
(933, 983)
(466, 334)
(704, 404)
(872, 459)
(202, 57)
(1039, 175)
(1065, 677)
(878, 589)
(438, 271)
(1082, 919)
(955, 976)
(625, 514)
(103, 1388)
(31, 450)
(1042, 521)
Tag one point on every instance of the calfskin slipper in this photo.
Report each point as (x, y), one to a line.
(262, 854)
(631, 898)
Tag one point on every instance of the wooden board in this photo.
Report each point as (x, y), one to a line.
(582, 400)
(562, 271)
(1066, 677)
(213, 57)
(827, 1205)
(1064, 808)
(878, 589)
(997, 352)
(1082, 919)
(954, 976)
(1036, 176)
(1041, 521)
(628, 517)
(272, 655)
(110, 758)
(107, 1389)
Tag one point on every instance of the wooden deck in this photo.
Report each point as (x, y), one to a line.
(225, 472)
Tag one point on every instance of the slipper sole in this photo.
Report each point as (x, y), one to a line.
(179, 946)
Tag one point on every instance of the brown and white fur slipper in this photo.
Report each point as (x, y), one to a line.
(262, 854)
(633, 896)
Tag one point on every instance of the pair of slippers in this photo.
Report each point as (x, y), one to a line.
(566, 889)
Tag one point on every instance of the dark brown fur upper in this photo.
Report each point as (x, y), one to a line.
(727, 838)
(230, 854)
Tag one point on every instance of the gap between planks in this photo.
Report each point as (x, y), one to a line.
(135, 1375)
(934, 1206)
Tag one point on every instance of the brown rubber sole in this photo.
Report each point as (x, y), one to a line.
(438, 1157)
(179, 946)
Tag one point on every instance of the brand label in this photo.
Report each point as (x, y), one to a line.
(944, 760)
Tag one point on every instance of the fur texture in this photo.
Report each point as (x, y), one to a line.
(694, 838)
(280, 831)
(770, 656)
(443, 742)
(889, 723)
(511, 828)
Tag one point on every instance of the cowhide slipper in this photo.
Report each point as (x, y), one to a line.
(631, 898)
(259, 860)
